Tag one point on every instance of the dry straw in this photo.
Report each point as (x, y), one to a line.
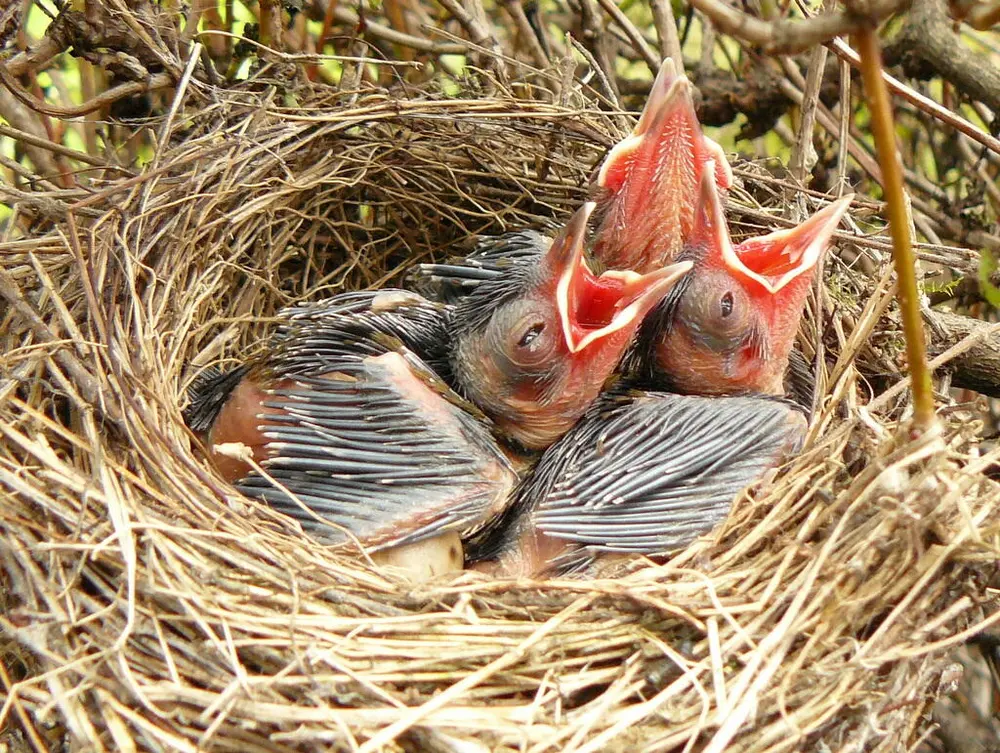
(148, 607)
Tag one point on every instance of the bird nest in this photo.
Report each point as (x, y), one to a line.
(148, 606)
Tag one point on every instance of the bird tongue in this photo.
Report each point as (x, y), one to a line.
(650, 179)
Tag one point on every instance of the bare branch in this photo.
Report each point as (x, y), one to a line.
(844, 52)
(158, 81)
(883, 126)
(928, 45)
(635, 36)
(666, 31)
(790, 36)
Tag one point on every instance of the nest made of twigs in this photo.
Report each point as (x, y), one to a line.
(147, 606)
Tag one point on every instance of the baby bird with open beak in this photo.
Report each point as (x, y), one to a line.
(535, 345)
(648, 471)
(729, 329)
(646, 188)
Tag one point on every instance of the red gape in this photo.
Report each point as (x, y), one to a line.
(545, 355)
(731, 329)
(734, 325)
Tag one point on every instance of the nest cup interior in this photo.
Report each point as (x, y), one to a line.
(171, 612)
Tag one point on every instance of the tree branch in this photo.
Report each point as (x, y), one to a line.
(883, 127)
(789, 36)
(927, 45)
(976, 368)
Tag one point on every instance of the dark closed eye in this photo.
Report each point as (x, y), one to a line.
(727, 305)
(531, 334)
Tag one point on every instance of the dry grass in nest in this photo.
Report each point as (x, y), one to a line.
(149, 607)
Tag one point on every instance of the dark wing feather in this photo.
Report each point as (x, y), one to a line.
(650, 473)
(493, 259)
(370, 450)
(800, 380)
(351, 324)
(346, 327)
(208, 393)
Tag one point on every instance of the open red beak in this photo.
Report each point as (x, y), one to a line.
(776, 259)
(769, 263)
(650, 179)
(594, 307)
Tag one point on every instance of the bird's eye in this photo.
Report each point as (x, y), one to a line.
(530, 341)
(531, 334)
(727, 305)
(716, 311)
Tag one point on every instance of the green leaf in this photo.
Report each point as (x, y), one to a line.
(987, 266)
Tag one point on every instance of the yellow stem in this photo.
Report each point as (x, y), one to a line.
(899, 226)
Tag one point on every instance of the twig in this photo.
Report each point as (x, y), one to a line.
(83, 379)
(983, 16)
(666, 32)
(178, 99)
(639, 42)
(610, 91)
(324, 36)
(39, 148)
(597, 42)
(787, 36)
(480, 36)
(516, 11)
(927, 37)
(271, 27)
(804, 154)
(825, 119)
(375, 30)
(844, 52)
(976, 339)
(12, 699)
(845, 123)
(899, 228)
(156, 81)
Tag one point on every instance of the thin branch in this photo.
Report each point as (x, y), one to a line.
(666, 32)
(883, 127)
(372, 30)
(845, 125)
(83, 379)
(528, 37)
(635, 36)
(271, 26)
(597, 41)
(844, 52)
(480, 36)
(37, 147)
(927, 43)
(804, 154)
(157, 81)
(791, 36)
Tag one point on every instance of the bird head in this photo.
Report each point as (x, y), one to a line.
(648, 184)
(732, 327)
(535, 346)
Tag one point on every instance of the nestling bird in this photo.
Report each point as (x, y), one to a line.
(642, 472)
(534, 345)
(355, 434)
(730, 326)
